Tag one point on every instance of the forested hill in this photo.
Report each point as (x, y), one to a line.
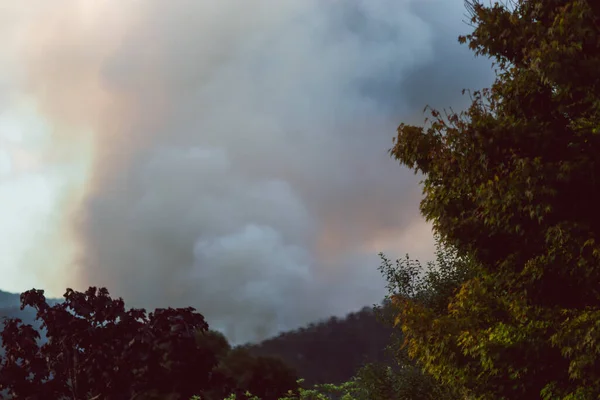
(8, 299)
(330, 351)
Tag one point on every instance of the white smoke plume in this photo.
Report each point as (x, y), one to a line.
(228, 155)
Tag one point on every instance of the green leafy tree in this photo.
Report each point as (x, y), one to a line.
(512, 185)
(95, 348)
(344, 391)
(431, 286)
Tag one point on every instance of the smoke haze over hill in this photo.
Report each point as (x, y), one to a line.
(227, 155)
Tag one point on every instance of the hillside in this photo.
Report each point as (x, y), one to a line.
(8, 299)
(10, 304)
(330, 351)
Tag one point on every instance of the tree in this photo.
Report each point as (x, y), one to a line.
(97, 349)
(432, 287)
(238, 371)
(511, 184)
(266, 377)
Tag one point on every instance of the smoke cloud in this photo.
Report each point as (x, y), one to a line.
(228, 155)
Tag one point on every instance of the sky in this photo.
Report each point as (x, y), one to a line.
(222, 154)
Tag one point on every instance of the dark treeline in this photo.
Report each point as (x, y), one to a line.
(331, 351)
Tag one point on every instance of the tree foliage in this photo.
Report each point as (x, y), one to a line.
(429, 287)
(266, 377)
(512, 185)
(96, 349)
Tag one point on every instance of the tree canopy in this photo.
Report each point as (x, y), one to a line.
(512, 185)
(96, 349)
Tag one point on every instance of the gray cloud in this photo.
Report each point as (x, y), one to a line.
(239, 149)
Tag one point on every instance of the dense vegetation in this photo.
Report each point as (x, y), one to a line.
(510, 309)
(511, 185)
(95, 348)
(331, 351)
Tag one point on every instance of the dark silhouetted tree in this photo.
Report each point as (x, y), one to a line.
(97, 349)
(269, 378)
